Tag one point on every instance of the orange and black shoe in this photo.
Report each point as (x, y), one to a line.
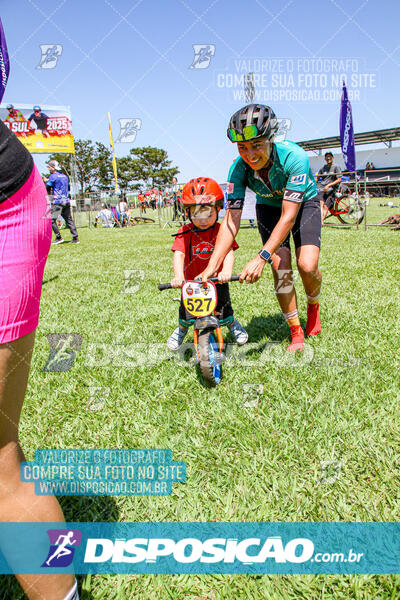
(297, 335)
(313, 326)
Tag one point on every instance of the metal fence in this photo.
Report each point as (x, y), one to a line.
(382, 183)
(373, 183)
(164, 207)
(165, 210)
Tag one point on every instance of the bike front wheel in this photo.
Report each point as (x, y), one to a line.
(349, 210)
(210, 358)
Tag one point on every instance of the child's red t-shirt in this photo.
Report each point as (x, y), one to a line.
(197, 246)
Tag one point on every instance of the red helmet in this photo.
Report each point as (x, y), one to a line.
(203, 190)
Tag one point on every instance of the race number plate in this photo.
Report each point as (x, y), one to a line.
(199, 299)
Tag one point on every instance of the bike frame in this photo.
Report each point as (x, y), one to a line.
(334, 212)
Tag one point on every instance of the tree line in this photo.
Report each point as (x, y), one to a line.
(143, 167)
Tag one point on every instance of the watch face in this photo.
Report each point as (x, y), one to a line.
(266, 255)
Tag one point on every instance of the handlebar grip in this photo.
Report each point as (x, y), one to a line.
(164, 286)
(233, 278)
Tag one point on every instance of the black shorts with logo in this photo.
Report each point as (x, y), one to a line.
(306, 229)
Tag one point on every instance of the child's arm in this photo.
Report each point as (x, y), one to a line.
(179, 275)
(227, 267)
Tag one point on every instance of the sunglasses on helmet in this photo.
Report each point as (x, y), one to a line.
(248, 133)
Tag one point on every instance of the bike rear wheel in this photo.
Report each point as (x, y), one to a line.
(210, 358)
(350, 210)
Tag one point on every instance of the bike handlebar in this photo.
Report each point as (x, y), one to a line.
(168, 286)
(164, 286)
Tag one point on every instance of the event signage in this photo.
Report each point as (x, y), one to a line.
(42, 129)
(347, 132)
(4, 62)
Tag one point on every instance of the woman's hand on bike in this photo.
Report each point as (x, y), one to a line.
(206, 274)
(253, 270)
(224, 276)
(177, 282)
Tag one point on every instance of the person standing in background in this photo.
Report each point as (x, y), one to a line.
(175, 196)
(60, 205)
(328, 178)
(142, 203)
(123, 207)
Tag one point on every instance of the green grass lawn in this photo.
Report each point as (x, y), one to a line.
(246, 461)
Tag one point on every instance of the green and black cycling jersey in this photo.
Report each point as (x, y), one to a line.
(289, 178)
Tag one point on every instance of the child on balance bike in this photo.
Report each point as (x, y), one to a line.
(194, 243)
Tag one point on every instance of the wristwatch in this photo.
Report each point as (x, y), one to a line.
(265, 255)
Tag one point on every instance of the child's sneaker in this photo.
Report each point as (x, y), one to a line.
(175, 340)
(239, 333)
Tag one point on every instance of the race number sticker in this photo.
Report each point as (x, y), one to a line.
(199, 299)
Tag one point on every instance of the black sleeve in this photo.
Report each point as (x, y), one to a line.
(16, 163)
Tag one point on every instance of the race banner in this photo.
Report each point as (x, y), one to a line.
(347, 132)
(42, 129)
(4, 62)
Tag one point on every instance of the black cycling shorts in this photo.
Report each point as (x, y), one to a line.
(306, 229)
(328, 198)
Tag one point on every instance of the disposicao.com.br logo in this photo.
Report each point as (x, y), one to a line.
(213, 550)
(202, 547)
(62, 547)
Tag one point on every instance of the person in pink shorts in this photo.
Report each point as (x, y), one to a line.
(25, 236)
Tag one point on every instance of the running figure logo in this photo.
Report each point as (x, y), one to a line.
(62, 547)
(50, 55)
(283, 127)
(249, 89)
(202, 55)
(128, 129)
(62, 351)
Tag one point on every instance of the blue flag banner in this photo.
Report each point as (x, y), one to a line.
(4, 62)
(200, 548)
(347, 132)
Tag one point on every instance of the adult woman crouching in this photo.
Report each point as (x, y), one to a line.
(287, 202)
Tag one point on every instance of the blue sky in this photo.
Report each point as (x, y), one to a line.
(132, 58)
